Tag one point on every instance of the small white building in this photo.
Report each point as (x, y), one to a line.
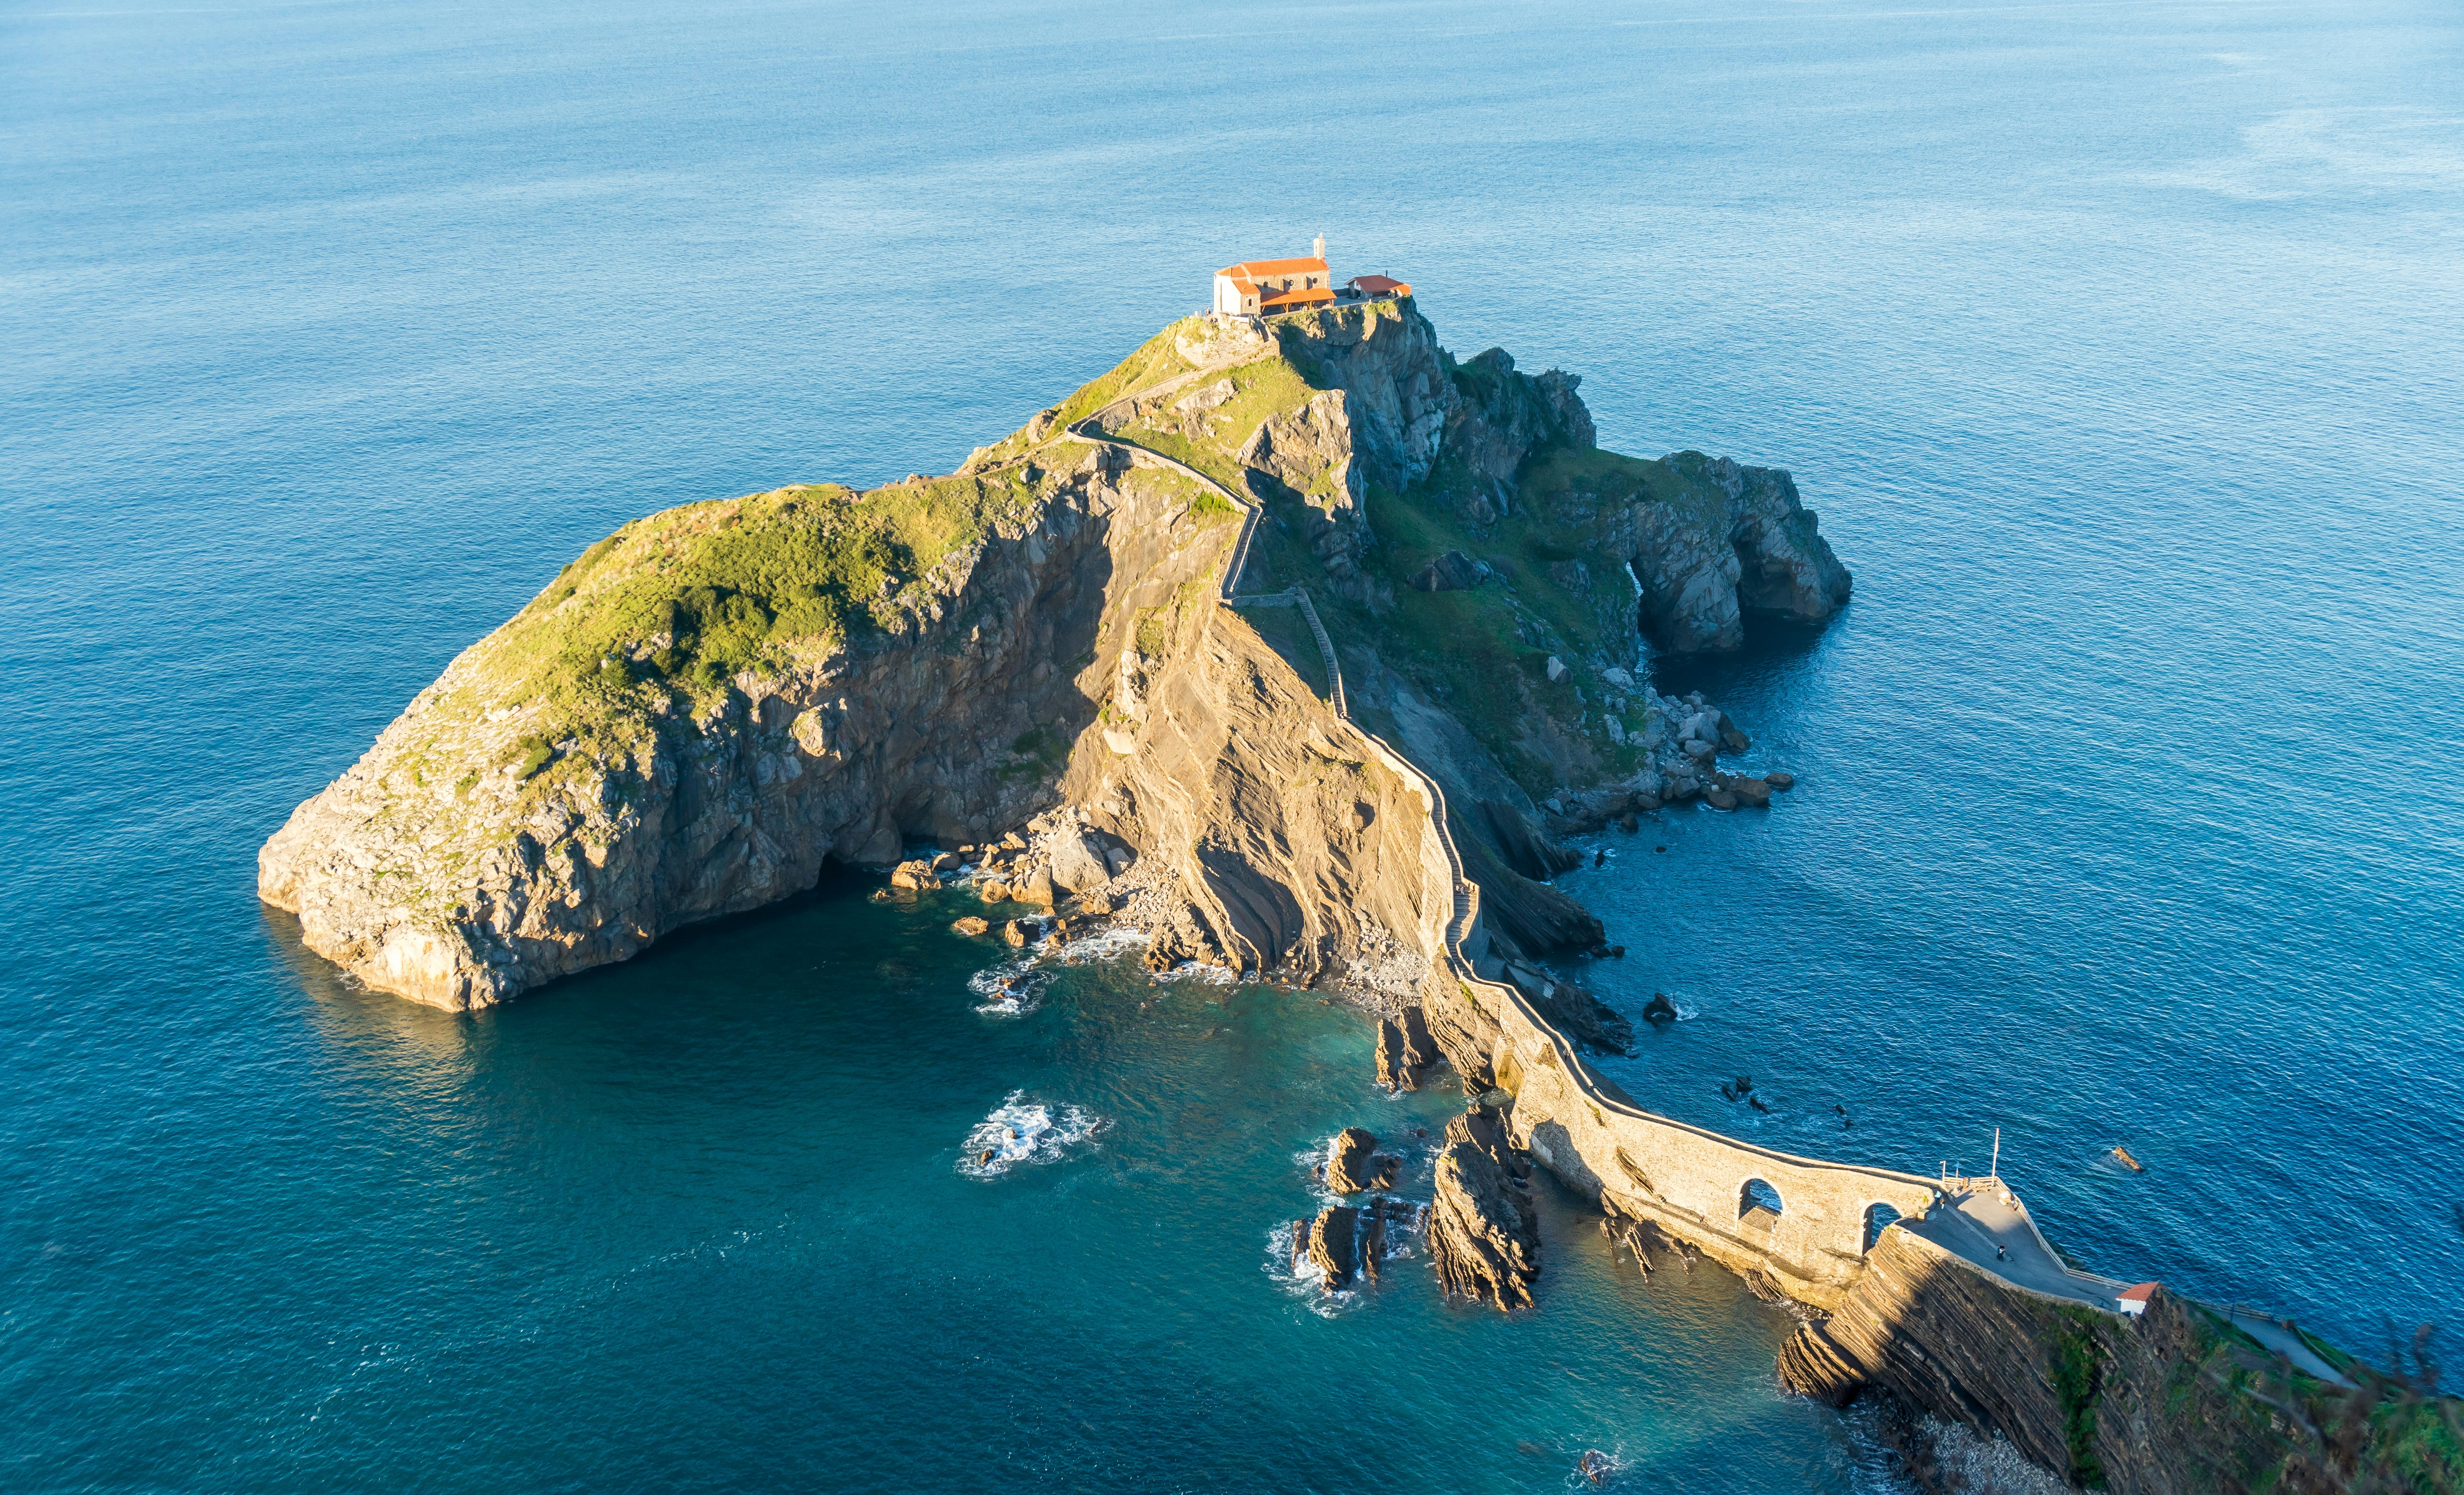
(2133, 1300)
(1263, 286)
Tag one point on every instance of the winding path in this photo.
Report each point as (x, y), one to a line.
(1988, 1227)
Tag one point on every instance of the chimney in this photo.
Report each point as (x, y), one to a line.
(1319, 248)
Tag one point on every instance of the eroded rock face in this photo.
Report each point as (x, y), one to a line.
(1406, 1049)
(449, 868)
(1760, 551)
(2142, 1406)
(1504, 416)
(1287, 842)
(1482, 1233)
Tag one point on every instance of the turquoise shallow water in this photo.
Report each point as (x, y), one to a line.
(2116, 344)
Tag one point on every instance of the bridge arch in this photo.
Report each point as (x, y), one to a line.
(1756, 1195)
(1879, 1218)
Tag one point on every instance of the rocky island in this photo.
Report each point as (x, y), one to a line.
(1299, 643)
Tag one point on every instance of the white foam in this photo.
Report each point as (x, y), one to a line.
(1607, 1463)
(1020, 1131)
(1192, 971)
(1300, 1277)
(1010, 989)
(1116, 939)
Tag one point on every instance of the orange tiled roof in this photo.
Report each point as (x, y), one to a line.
(2138, 1294)
(1252, 268)
(1243, 284)
(1380, 285)
(1305, 297)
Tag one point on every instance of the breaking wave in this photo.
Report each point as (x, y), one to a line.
(1011, 989)
(1192, 971)
(1020, 1131)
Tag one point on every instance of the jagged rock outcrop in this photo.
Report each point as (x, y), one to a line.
(1572, 1010)
(1334, 1245)
(1354, 1165)
(1506, 416)
(1483, 1235)
(1307, 457)
(1723, 541)
(1406, 1049)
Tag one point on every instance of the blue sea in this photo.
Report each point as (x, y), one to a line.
(2117, 344)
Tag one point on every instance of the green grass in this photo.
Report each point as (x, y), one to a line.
(1261, 390)
(688, 598)
(1484, 657)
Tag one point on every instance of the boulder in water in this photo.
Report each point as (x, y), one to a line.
(971, 925)
(1333, 1245)
(1355, 1163)
(1659, 1009)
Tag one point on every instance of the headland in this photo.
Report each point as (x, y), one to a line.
(1301, 644)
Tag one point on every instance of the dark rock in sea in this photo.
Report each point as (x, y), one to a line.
(1629, 824)
(1755, 792)
(1719, 799)
(1756, 1102)
(1333, 1244)
(1659, 1009)
(1373, 1235)
(1347, 1169)
(1420, 1050)
(1482, 1234)
(1780, 782)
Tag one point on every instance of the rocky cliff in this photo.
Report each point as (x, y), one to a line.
(709, 705)
(2170, 1403)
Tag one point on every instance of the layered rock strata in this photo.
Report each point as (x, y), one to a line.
(2140, 1406)
(1482, 1234)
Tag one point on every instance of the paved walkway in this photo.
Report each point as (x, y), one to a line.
(1989, 1227)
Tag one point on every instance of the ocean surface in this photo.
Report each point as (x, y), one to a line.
(2117, 344)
